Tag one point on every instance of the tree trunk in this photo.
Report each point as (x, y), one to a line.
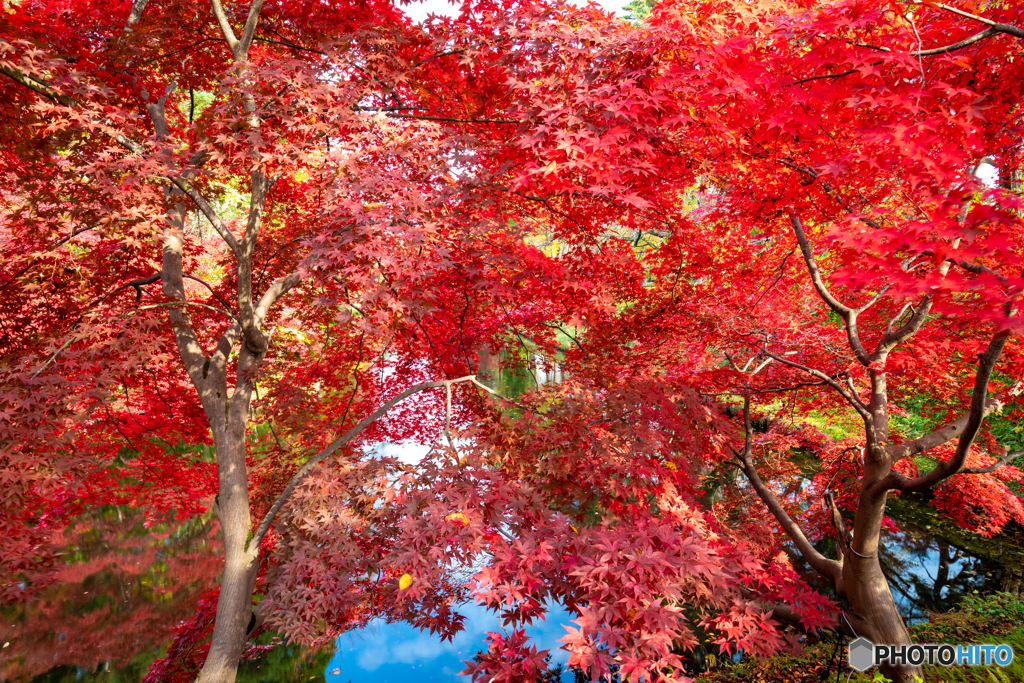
(867, 589)
(234, 605)
(234, 608)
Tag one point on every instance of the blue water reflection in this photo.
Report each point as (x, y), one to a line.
(397, 653)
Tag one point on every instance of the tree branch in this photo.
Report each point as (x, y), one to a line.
(1001, 462)
(137, 284)
(138, 7)
(893, 338)
(276, 290)
(40, 87)
(850, 398)
(450, 118)
(219, 358)
(338, 443)
(830, 569)
(844, 539)
(957, 45)
(1000, 28)
(225, 25)
(208, 211)
(848, 314)
(966, 427)
(249, 30)
(216, 296)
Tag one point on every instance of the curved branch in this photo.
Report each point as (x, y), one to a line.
(852, 399)
(957, 45)
(830, 569)
(848, 314)
(208, 211)
(215, 294)
(347, 437)
(966, 427)
(893, 338)
(996, 26)
(1001, 462)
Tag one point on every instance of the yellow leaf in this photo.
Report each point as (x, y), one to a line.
(457, 518)
(404, 582)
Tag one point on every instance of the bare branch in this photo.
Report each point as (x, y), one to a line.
(746, 366)
(157, 112)
(136, 284)
(966, 428)
(189, 348)
(254, 337)
(218, 361)
(138, 7)
(824, 76)
(893, 338)
(225, 25)
(874, 300)
(957, 45)
(216, 296)
(999, 27)
(36, 85)
(187, 303)
(208, 211)
(852, 399)
(896, 318)
(844, 538)
(249, 30)
(449, 118)
(276, 290)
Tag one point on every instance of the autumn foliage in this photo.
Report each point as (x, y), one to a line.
(233, 234)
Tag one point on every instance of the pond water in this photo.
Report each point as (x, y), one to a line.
(123, 588)
(396, 653)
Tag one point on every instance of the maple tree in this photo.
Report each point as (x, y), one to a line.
(347, 205)
(836, 151)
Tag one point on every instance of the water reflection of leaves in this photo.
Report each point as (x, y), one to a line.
(121, 590)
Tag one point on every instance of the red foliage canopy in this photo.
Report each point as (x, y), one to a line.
(774, 202)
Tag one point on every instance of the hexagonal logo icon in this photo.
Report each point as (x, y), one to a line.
(861, 654)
